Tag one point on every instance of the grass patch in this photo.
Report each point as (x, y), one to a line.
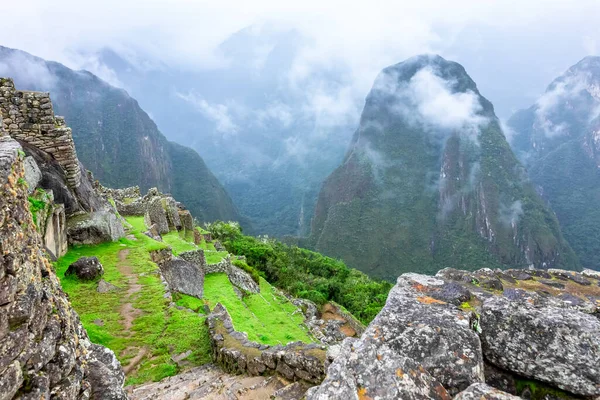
(162, 330)
(215, 257)
(191, 302)
(178, 243)
(266, 317)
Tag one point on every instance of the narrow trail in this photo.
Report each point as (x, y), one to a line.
(128, 312)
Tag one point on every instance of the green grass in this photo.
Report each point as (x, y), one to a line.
(214, 257)
(266, 317)
(178, 243)
(163, 330)
(193, 303)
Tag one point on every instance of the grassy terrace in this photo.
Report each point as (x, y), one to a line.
(136, 321)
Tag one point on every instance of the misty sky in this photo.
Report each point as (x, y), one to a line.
(512, 49)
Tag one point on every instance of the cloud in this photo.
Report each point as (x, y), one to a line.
(218, 113)
(429, 101)
(567, 95)
(510, 215)
(27, 72)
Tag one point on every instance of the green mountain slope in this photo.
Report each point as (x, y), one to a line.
(430, 182)
(558, 139)
(117, 140)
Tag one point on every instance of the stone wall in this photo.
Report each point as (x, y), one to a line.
(223, 266)
(44, 350)
(236, 354)
(29, 117)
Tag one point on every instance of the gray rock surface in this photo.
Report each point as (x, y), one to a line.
(555, 345)
(155, 214)
(482, 391)
(86, 268)
(106, 287)
(33, 175)
(153, 233)
(183, 276)
(93, 228)
(105, 374)
(242, 280)
(369, 369)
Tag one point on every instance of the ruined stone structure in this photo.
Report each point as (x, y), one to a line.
(29, 117)
(44, 350)
(235, 353)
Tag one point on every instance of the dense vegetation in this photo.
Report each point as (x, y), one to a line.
(306, 274)
(415, 195)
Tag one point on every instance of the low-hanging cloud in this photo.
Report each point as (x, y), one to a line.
(27, 72)
(218, 113)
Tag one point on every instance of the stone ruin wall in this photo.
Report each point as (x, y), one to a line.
(29, 117)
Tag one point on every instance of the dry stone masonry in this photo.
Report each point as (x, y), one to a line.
(44, 350)
(29, 117)
(235, 353)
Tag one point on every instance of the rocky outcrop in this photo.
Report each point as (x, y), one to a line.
(242, 280)
(155, 214)
(236, 354)
(196, 257)
(363, 368)
(44, 350)
(522, 332)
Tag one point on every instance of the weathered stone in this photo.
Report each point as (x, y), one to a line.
(161, 256)
(242, 280)
(555, 345)
(219, 246)
(371, 369)
(183, 276)
(33, 175)
(86, 268)
(481, 391)
(153, 233)
(197, 237)
(187, 221)
(105, 287)
(500, 379)
(155, 214)
(105, 374)
(93, 228)
(172, 213)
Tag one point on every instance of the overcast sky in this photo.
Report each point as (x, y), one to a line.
(512, 49)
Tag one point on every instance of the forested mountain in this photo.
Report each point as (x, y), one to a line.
(429, 181)
(558, 139)
(117, 140)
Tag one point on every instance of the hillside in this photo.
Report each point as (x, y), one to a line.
(557, 139)
(429, 182)
(117, 140)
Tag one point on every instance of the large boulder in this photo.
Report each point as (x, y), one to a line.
(155, 214)
(187, 221)
(153, 233)
(183, 276)
(481, 391)
(172, 213)
(86, 268)
(370, 369)
(557, 345)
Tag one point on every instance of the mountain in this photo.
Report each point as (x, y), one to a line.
(429, 182)
(117, 140)
(270, 134)
(558, 139)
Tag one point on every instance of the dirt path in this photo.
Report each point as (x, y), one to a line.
(128, 311)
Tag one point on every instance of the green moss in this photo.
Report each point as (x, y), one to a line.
(541, 391)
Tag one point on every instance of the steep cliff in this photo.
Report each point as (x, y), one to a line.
(117, 140)
(45, 352)
(429, 182)
(558, 139)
